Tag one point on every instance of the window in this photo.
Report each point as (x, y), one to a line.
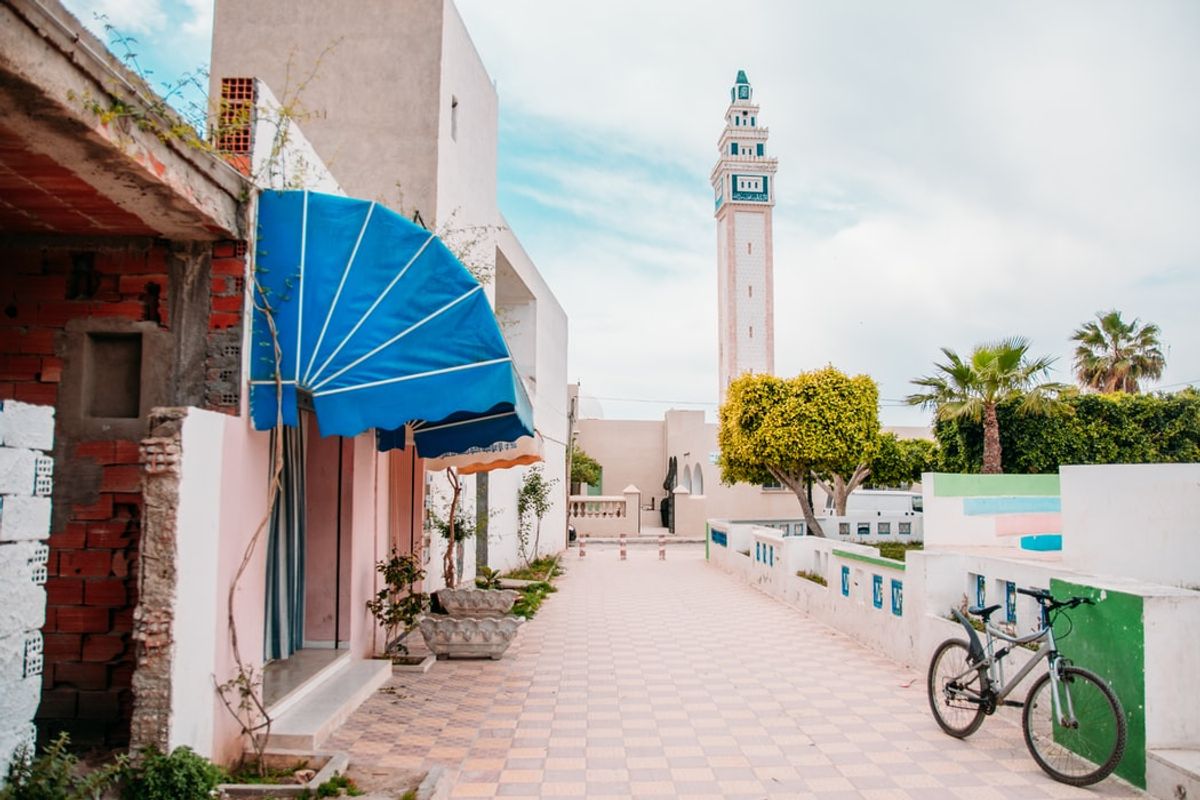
(733, 148)
(884, 528)
(113, 382)
(864, 529)
(843, 529)
(454, 118)
(749, 248)
(750, 291)
(904, 528)
(759, 148)
(751, 331)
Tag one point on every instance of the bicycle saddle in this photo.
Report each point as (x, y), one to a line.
(983, 612)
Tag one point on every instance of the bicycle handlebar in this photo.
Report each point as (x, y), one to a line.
(1044, 596)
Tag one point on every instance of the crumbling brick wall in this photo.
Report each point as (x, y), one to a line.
(56, 297)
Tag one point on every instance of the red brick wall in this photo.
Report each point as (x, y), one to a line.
(93, 551)
(92, 588)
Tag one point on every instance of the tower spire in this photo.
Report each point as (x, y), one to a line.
(743, 183)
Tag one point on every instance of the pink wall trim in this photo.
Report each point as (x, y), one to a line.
(244, 473)
(1023, 524)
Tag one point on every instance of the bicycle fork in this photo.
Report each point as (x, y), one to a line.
(1058, 689)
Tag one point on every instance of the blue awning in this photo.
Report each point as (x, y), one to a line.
(378, 326)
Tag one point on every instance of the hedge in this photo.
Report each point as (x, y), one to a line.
(1095, 429)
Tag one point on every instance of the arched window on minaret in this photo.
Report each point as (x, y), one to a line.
(697, 480)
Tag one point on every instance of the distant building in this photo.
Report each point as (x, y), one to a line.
(743, 183)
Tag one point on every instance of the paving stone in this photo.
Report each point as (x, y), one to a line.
(648, 678)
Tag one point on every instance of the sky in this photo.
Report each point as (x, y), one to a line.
(949, 174)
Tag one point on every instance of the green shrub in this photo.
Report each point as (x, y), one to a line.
(182, 775)
(531, 599)
(897, 550)
(1097, 429)
(56, 775)
(487, 578)
(812, 576)
(333, 787)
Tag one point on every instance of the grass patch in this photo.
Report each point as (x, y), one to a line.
(334, 786)
(247, 772)
(531, 599)
(542, 569)
(897, 550)
(812, 576)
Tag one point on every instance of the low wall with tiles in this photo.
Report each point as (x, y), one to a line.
(26, 483)
(1134, 637)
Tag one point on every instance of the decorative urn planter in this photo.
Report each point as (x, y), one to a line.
(477, 602)
(469, 637)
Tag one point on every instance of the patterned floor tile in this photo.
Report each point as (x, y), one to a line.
(646, 678)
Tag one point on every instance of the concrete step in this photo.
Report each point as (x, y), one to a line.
(308, 721)
(1173, 773)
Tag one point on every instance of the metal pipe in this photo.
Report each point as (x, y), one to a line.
(337, 559)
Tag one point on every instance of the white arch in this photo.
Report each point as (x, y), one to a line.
(697, 480)
(686, 480)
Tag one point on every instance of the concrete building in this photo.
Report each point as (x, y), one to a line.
(125, 261)
(428, 151)
(120, 260)
(743, 183)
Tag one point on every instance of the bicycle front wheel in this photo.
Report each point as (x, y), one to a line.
(1081, 750)
(954, 689)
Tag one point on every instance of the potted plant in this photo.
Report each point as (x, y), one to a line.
(398, 606)
(476, 623)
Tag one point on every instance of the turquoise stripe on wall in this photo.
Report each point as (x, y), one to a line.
(987, 506)
(1045, 542)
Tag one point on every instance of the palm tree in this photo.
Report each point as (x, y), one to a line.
(1113, 356)
(995, 373)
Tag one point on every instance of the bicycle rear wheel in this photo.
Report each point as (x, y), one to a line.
(954, 689)
(1082, 752)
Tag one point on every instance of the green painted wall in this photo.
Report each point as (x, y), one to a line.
(878, 562)
(956, 485)
(1108, 639)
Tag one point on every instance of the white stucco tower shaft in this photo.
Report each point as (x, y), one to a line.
(744, 189)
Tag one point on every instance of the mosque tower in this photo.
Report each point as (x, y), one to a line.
(744, 186)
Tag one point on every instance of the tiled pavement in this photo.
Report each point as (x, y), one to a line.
(651, 679)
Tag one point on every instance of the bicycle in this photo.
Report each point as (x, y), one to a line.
(1073, 723)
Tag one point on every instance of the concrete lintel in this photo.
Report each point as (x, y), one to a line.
(50, 66)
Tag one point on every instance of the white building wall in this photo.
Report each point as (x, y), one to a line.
(1138, 521)
(750, 292)
(196, 587)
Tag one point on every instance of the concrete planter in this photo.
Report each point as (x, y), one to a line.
(469, 637)
(477, 602)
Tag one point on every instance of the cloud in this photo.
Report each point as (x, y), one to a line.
(949, 174)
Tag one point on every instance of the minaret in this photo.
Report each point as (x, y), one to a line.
(744, 184)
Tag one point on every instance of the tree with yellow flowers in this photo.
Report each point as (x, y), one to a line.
(822, 424)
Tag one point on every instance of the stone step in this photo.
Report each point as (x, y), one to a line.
(307, 722)
(1173, 773)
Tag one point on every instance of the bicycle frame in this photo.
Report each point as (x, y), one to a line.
(991, 668)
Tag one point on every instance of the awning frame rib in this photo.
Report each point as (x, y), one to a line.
(398, 337)
(371, 310)
(337, 296)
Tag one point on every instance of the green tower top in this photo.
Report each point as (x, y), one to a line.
(741, 88)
